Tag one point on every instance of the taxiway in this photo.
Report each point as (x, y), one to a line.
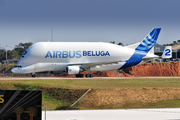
(114, 114)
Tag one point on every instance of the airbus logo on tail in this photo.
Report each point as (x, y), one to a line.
(75, 54)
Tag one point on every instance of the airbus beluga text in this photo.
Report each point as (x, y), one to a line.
(76, 57)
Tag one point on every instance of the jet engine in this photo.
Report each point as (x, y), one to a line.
(73, 69)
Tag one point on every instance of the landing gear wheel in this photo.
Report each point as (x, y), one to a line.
(79, 75)
(33, 75)
(89, 75)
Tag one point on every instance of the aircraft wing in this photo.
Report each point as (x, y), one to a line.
(87, 65)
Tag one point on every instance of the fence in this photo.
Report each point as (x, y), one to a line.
(26, 75)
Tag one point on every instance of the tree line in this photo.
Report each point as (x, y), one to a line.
(174, 43)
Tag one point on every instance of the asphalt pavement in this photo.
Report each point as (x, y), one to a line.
(114, 114)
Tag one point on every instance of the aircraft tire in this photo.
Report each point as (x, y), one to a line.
(79, 75)
(87, 75)
(33, 76)
(91, 75)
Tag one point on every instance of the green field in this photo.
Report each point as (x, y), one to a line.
(61, 93)
(102, 83)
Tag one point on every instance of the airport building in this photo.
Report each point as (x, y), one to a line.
(158, 50)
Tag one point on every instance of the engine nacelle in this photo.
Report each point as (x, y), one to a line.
(73, 69)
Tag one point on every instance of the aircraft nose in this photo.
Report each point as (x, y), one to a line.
(13, 70)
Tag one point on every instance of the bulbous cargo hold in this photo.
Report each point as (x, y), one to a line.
(75, 57)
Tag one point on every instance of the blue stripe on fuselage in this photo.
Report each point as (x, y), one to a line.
(135, 59)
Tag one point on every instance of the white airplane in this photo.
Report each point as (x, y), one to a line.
(76, 57)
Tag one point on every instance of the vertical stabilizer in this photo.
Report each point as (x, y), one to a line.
(143, 48)
(149, 41)
(167, 53)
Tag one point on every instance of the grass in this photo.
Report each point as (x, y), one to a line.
(103, 83)
(159, 104)
(50, 102)
(53, 103)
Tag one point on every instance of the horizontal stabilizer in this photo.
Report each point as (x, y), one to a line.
(150, 58)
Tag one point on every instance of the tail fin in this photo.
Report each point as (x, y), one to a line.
(149, 41)
(143, 48)
(167, 53)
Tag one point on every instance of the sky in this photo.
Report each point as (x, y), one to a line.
(126, 21)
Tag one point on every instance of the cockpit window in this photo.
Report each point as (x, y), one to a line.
(19, 66)
(24, 54)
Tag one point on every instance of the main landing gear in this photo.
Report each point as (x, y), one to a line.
(89, 74)
(81, 75)
(33, 75)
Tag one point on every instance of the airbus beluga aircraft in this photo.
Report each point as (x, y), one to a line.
(76, 57)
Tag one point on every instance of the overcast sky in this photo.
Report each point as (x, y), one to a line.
(125, 21)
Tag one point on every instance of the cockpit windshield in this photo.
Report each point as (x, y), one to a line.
(24, 54)
(19, 66)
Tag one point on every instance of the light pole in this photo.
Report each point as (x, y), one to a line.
(45, 110)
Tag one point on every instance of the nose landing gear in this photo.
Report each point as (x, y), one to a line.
(33, 75)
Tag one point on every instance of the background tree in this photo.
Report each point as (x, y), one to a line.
(21, 48)
(178, 41)
(16, 53)
(2, 54)
(171, 44)
(2, 50)
(113, 42)
(174, 42)
(120, 43)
